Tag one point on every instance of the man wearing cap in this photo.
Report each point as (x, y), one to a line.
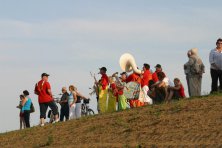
(103, 90)
(43, 90)
(154, 75)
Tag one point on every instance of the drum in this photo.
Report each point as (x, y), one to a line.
(132, 90)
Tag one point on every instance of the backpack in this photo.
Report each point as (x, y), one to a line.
(32, 108)
(38, 88)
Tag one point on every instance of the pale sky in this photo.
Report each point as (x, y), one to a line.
(70, 38)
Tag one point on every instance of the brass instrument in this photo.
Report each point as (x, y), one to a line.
(128, 64)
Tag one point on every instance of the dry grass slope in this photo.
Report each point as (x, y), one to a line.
(186, 123)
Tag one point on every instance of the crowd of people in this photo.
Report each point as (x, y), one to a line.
(70, 103)
(148, 88)
(119, 92)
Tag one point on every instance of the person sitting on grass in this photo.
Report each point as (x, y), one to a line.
(176, 92)
(152, 93)
(161, 87)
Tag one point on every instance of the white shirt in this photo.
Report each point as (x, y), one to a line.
(168, 82)
(216, 58)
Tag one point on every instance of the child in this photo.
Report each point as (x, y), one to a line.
(21, 115)
(177, 91)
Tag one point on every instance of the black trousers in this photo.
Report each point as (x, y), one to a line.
(44, 107)
(64, 112)
(215, 76)
(27, 118)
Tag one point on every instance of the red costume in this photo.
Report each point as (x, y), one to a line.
(115, 90)
(147, 76)
(104, 81)
(134, 77)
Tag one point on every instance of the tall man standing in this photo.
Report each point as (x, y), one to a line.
(215, 59)
(43, 90)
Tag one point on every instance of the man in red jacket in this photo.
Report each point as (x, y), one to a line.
(145, 78)
(103, 90)
(154, 75)
(43, 90)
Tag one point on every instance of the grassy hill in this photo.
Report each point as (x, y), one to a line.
(187, 123)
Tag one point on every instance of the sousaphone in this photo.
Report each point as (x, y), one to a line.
(128, 64)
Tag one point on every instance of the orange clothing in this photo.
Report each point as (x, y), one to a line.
(132, 78)
(135, 103)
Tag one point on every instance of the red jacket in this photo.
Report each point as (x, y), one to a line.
(104, 81)
(133, 78)
(114, 89)
(155, 77)
(147, 76)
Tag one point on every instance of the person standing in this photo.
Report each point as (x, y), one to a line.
(215, 59)
(113, 95)
(64, 111)
(72, 102)
(26, 106)
(78, 103)
(194, 70)
(122, 100)
(43, 90)
(145, 78)
(121, 84)
(21, 115)
(103, 90)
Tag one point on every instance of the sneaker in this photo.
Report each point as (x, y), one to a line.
(42, 124)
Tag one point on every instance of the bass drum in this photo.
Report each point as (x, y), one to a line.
(132, 91)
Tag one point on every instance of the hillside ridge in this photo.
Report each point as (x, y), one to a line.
(193, 122)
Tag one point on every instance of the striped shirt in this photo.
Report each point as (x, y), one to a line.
(215, 58)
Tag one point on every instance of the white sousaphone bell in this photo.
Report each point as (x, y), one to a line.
(128, 64)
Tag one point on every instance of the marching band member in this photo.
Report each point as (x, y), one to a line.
(103, 90)
(145, 78)
(122, 104)
(134, 77)
(113, 95)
